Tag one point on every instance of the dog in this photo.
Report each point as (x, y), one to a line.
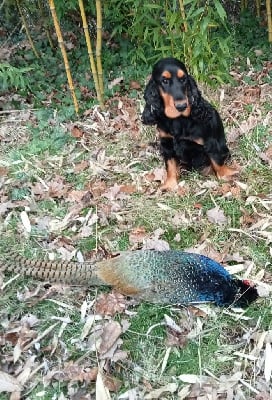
(190, 129)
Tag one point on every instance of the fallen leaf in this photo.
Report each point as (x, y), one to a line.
(112, 383)
(8, 383)
(135, 85)
(157, 175)
(5, 206)
(110, 334)
(157, 393)
(217, 216)
(110, 303)
(77, 132)
(155, 244)
(268, 362)
(25, 221)
(101, 391)
(128, 189)
(137, 235)
(77, 195)
(115, 82)
(3, 171)
(81, 166)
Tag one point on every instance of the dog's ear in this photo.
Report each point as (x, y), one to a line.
(153, 103)
(200, 109)
(193, 92)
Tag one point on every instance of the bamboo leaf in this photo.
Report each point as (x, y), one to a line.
(220, 10)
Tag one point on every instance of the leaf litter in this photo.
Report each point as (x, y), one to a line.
(122, 169)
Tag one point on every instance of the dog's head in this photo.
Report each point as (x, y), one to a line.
(171, 90)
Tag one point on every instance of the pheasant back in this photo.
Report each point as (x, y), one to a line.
(162, 277)
(174, 277)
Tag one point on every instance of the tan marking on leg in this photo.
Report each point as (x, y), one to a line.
(163, 134)
(172, 170)
(223, 171)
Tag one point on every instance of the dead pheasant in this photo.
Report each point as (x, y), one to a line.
(162, 277)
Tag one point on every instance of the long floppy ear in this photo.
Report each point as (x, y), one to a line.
(194, 93)
(153, 104)
(200, 108)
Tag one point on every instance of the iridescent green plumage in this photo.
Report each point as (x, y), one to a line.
(163, 277)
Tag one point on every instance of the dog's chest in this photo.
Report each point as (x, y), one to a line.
(183, 127)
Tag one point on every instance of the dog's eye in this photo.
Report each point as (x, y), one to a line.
(182, 79)
(165, 81)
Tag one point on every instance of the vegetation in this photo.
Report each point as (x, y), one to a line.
(90, 184)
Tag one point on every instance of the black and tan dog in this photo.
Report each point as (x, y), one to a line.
(190, 129)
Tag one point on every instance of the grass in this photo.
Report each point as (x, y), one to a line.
(184, 224)
(40, 174)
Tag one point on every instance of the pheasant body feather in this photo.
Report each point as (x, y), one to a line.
(164, 277)
(174, 277)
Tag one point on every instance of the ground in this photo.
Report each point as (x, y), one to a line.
(71, 189)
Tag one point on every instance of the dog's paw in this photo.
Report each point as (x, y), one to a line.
(169, 185)
(226, 172)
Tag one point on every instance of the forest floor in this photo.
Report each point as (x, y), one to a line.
(69, 189)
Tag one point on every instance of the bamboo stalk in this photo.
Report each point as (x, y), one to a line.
(183, 15)
(258, 8)
(63, 51)
(45, 23)
(90, 53)
(26, 29)
(187, 52)
(269, 19)
(99, 45)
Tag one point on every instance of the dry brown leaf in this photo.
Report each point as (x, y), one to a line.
(115, 82)
(77, 132)
(263, 396)
(175, 339)
(157, 393)
(112, 192)
(267, 155)
(5, 206)
(57, 188)
(81, 166)
(137, 235)
(77, 195)
(101, 391)
(3, 171)
(135, 85)
(131, 394)
(155, 244)
(110, 334)
(128, 189)
(183, 393)
(72, 372)
(112, 383)
(157, 175)
(217, 216)
(8, 383)
(110, 303)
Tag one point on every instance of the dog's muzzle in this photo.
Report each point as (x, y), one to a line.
(181, 106)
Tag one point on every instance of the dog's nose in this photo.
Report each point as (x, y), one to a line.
(181, 106)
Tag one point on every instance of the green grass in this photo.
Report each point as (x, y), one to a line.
(43, 149)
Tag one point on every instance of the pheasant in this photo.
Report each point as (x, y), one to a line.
(161, 277)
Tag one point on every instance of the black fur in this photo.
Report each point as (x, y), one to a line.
(202, 124)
